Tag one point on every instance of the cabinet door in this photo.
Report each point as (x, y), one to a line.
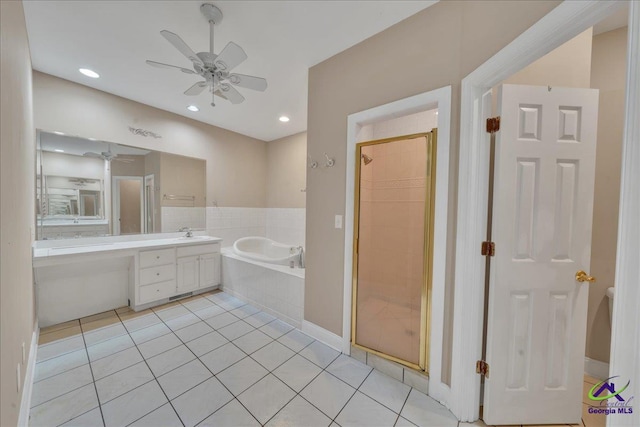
(188, 273)
(209, 270)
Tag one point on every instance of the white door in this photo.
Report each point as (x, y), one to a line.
(209, 267)
(542, 211)
(188, 273)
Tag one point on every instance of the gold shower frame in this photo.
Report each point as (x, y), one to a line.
(425, 304)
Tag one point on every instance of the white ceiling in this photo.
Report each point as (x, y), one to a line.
(282, 39)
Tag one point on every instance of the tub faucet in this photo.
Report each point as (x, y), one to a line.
(188, 230)
(300, 257)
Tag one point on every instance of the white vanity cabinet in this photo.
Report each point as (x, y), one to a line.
(77, 280)
(157, 275)
(198, 267)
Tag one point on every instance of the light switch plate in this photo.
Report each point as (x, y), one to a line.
(338, 221)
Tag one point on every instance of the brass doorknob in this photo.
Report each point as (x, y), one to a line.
(582, 276)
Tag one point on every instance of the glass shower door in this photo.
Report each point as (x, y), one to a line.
(393, 250)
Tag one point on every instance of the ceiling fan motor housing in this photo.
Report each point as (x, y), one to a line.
(212, 13)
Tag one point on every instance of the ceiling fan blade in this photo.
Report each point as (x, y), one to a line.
(220, 94)
(179, 44)
(249, 82)
(230, 57)
(123, 159)
(231, 93)
(161, 65)
(196, 89)
(91, 154)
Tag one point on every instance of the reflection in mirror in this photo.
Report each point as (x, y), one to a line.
(88, 188)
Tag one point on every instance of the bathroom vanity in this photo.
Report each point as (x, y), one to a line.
(80, 277)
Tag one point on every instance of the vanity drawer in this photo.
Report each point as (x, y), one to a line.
(157, 291)
(198, 249)
(157, 274)
(157, 257)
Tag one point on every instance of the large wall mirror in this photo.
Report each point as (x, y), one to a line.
(90, 188)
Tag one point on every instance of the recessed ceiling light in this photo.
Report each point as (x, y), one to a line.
(284, 119)
(193, 108)
(57, 150)
(57, 132)
(89, 73)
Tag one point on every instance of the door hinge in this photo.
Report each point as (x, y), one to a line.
(488, 249)
(493, 124)
(482, 368)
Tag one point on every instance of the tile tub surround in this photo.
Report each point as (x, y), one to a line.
(180, 364)
(284, 225)
(174, 218)
(275, 289)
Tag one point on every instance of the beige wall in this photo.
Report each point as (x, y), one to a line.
(567, 66)
(182, 176)
(17, 199)
(236, 164)
(434, 48)
(135, 167)
(287, 171)
(608, 74)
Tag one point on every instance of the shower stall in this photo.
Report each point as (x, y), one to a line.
(393, 245)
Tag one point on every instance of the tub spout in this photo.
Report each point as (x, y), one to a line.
(300, 257)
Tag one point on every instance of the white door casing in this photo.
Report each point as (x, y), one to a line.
(542, 221)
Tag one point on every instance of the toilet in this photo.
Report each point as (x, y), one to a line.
(610, 293)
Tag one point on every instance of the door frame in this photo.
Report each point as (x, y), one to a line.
(559, 26)
(440, 99)
(115, 203)
(149, 179)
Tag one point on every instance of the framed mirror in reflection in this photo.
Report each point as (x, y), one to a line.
(90, 188)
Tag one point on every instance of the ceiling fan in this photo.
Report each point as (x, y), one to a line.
(108, 156)
(215, 69)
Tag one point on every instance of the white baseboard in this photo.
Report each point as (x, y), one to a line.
(25, 403)
(596, 368)
(322, 335)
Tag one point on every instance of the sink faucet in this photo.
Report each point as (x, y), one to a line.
(300, 257)
(76, 220)
(188, 230)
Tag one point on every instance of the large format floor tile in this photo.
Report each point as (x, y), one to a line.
(211, 360)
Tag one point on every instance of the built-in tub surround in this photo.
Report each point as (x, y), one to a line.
(76, 278)
(276, 289)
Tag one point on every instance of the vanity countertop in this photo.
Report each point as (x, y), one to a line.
(106, 246)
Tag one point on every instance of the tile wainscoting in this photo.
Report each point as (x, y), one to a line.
(284, 225)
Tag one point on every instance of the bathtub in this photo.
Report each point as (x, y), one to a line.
(274, 288)
(266, 250)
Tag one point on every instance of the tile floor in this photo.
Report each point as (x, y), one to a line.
(212, 360)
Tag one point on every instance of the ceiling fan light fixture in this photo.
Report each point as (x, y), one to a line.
(89, 73)
(193, 108)
(284, 119)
